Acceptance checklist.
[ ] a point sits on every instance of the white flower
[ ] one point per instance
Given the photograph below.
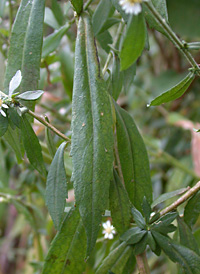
(109, 230)
(13, 85)
(131, 6)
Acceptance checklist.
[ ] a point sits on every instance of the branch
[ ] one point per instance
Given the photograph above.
(181, 200)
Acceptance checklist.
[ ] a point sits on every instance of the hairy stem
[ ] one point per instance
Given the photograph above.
(142, 263)
(181, 200)
(45, 123)
(173, 37)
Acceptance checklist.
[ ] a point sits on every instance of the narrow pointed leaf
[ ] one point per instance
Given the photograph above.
(133, 158)
(30, 95)
(140, 247)
(133, 235)
(15, 82)
(119, 205)
(3, 125)
(186, 237)
(92, 134)
(120, 264)
(138, 218)
(78, 5)
(67, 251)
(56, 189)
(186, 257)
(111, 259)
(32, 146)
(26, 40)
(133, 41)
(175, 92)
(118, 7)
(192, 210)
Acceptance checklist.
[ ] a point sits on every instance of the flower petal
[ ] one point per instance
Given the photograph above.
(4, 106)
(15, 82)
(110, 236)
(2, 113)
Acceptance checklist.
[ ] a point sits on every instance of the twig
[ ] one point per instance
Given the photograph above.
(174, 38)
(45, 123)
(181, 200)
(142, 263)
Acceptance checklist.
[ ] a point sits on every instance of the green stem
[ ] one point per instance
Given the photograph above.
(45, 123)
(170, 159)
(174, 38)
(118, 35)
(87, 4)
(181, 200)
(142, 263)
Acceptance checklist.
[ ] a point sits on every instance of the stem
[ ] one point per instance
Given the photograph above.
(170, 159)
(174, 38)
(119, 32)
(45, 123)
(142, 264)
(87, 4)
(181, 200)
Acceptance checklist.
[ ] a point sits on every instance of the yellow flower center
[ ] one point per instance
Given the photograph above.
(134, 1)
(108, 230)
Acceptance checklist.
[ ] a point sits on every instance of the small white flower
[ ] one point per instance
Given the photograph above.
(131, 6)
(109, 230)
(13, 85)
(15, 82)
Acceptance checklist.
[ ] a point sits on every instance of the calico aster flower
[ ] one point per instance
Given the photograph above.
(131, 6)
(109, 230)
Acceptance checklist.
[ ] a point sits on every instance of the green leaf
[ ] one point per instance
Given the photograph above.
(2, 7)
(192, 210)
(139, 219)
(120, 264)
(140, 247)
(175, 92)
(133, 158)
(187, 258)
(164, 197)
(117, 78)
(161, 7)
(146, 208)
(101, 14)
(133, 235)
(13, 138)
(186, 237)
(49, 140)
(119, 205)
(52, 41)
(105, 39)
(50, 19)
(118, 7)
(30, 95)
(163, 224)
(57, 11)
(151, 242)
(3, 125)
(78, 5)
(67, 251)
(133, 41)
(14, 116)
(111, 259)
(26, 41)
(92, 134)
(32, 146)
(56, 189)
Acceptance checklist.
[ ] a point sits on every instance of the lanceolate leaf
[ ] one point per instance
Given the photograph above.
(32, 146)
(186, 257)
(175, 92)
(186, 237)
(92, 134)
(192, 210)
(56, 189)
(31, 95)
(67, 252)
(26, 41)
(111, 259)
(3, 125)
(133, 41)
(133, 159)
(119, 205)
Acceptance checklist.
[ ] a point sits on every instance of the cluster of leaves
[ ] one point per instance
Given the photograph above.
(110, 165)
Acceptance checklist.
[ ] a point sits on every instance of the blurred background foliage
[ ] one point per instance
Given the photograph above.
(26, 229)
